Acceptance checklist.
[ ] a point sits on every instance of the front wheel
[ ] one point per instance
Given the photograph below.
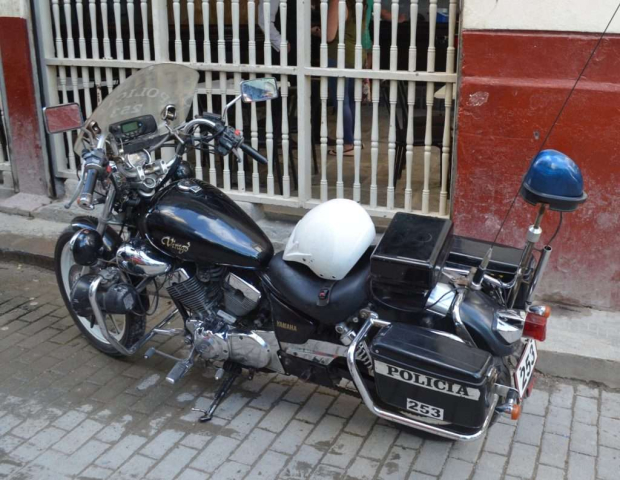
(126, 329)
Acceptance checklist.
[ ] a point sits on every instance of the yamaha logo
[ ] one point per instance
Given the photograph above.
(172, 244)
(286, 326)
(424, 381)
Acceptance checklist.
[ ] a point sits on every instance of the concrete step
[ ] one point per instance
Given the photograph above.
(28, 240)
(582, 343)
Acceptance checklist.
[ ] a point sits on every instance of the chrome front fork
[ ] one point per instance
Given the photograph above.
(107, 210)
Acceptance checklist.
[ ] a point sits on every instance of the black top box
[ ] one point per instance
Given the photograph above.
(411, 254)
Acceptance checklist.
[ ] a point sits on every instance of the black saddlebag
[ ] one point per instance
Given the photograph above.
(428, 374)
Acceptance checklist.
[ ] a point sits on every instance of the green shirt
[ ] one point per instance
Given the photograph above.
(349, 43)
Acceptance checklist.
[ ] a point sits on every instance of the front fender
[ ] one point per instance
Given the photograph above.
(111, 238)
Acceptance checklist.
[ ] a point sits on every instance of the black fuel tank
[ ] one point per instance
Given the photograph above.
(196, 222)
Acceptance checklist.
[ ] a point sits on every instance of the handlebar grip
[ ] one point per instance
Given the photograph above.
(86, 196)
(254, 154)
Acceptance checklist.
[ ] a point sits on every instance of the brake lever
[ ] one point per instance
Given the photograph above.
(236, 154)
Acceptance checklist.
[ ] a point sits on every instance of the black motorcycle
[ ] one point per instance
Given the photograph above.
(434, 331)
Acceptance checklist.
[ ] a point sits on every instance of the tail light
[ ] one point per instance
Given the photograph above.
(536, 323)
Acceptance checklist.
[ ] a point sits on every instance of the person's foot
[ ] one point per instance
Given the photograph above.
(347, 152)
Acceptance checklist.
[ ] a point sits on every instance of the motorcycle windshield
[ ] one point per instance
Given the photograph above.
(146, 92)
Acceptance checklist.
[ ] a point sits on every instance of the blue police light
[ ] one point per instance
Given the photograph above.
(553, 178)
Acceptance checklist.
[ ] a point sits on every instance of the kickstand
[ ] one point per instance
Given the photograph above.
(232, 371)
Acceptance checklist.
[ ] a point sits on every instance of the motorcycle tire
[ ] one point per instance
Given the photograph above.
(133, 325)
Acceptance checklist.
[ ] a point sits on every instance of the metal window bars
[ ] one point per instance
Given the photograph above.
(402, 137)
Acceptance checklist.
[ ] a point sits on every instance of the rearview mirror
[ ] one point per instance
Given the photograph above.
(62, 118)
(259, 90)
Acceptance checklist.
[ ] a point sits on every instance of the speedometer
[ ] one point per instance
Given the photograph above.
(130, 130)
(130, 127)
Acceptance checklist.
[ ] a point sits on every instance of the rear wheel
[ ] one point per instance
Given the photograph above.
(126, 329)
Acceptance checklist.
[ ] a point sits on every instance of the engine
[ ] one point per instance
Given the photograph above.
(213, 291)
(199, 291)
(215, 299)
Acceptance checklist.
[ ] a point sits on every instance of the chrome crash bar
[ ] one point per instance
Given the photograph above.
(157, 330)
(394, 417)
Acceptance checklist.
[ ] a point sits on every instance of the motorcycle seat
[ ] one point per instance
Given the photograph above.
(296, 285)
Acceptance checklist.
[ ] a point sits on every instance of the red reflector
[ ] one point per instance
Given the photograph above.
(535, 327)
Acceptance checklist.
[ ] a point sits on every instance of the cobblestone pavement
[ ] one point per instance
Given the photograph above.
(68, 411)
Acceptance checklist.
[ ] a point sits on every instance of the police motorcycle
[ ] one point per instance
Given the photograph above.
(434, 331)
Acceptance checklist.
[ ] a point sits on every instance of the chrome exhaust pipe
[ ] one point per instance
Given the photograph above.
(538, 274)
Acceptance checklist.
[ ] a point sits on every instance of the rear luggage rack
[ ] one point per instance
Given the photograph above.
(395, 417)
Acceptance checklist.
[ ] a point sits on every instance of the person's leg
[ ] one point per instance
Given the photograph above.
(348, 114)
(332, 90)
(331, 84)
(351, 84)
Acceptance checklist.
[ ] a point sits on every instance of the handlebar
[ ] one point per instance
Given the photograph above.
(86, 196)
(94, 164)
(253, 153)
(214, 123)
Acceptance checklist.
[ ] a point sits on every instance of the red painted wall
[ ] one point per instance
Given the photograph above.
(22, 109)
(513, 86)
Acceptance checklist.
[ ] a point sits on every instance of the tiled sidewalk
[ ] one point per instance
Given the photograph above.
(68, 411)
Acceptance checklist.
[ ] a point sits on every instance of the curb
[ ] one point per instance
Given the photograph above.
(578, 367)
(27, 258)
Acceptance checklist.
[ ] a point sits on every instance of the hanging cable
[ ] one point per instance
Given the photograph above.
(557, 230)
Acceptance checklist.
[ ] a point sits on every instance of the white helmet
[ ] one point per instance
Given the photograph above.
(331, 238)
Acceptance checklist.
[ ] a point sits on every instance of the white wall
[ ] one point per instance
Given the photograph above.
(549, 15)
(14, 8)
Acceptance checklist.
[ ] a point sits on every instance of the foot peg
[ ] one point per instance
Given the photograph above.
(178, 371)
(229, 374)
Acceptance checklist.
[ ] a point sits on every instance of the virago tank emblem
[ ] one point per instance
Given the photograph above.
(172, 244)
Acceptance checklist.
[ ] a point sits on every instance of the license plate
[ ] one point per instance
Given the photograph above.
(525, 368)
(424, 409)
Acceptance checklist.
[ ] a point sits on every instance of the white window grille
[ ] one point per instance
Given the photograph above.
(402, 134)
